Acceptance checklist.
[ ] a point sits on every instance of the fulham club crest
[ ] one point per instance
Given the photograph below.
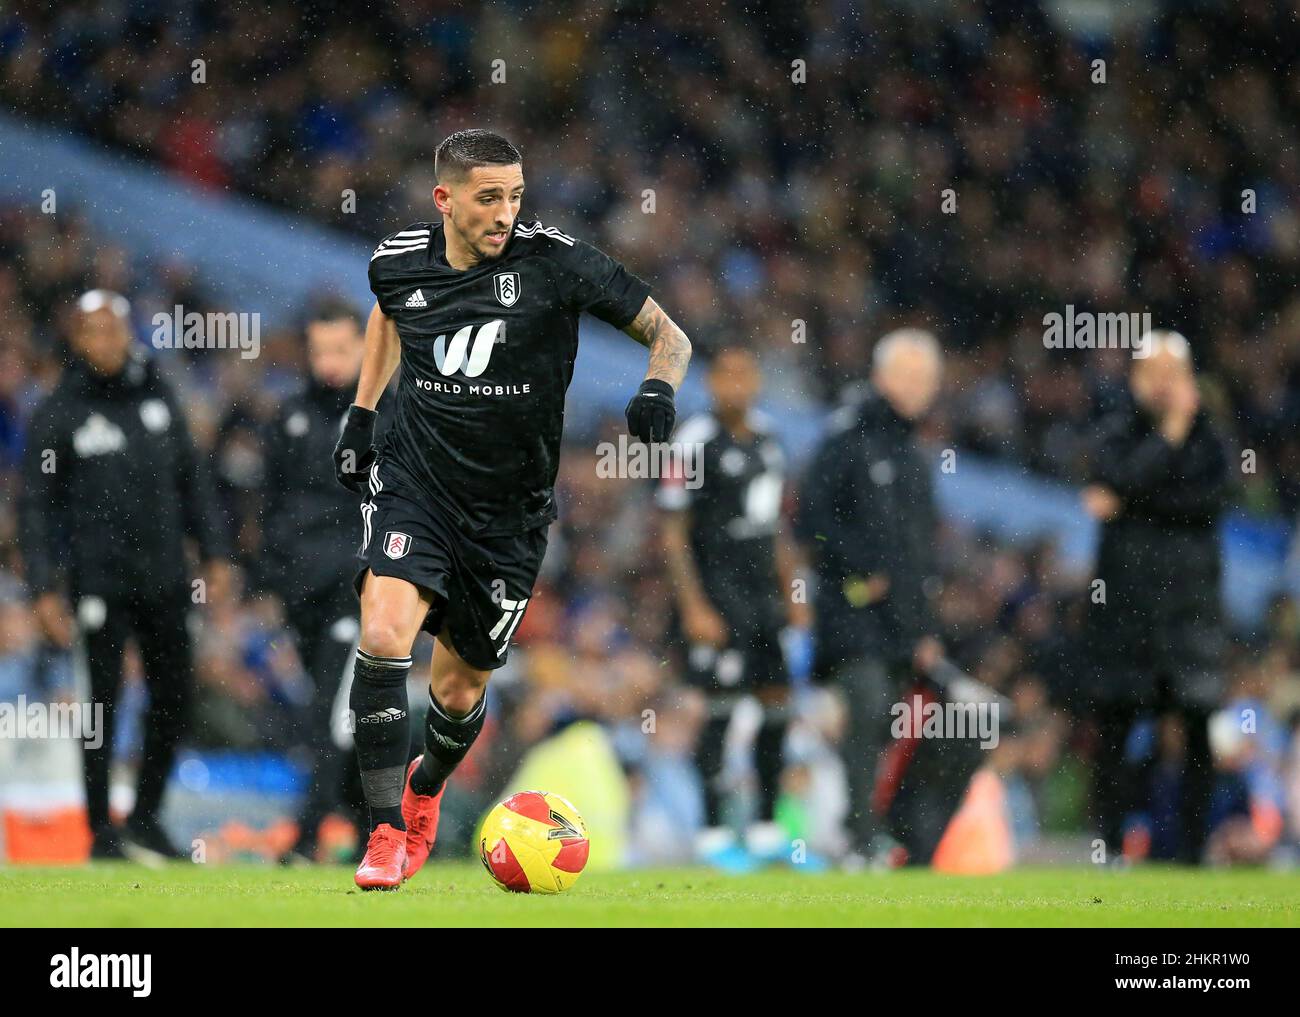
(507, 284)
(396, 544)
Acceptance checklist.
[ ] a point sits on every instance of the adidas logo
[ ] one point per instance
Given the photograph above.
(444, 741)
(416, 299)
(384, 716)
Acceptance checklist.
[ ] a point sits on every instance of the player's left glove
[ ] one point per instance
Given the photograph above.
(651, 413)
(355, 452)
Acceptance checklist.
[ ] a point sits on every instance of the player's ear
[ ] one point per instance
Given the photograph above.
(442, 199)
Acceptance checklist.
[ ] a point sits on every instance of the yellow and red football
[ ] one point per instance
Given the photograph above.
(534, 842)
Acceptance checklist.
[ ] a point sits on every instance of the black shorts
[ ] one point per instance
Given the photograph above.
(481, 585)
(751, 661)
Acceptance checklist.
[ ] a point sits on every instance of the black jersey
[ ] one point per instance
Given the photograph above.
(308, 530)
(733, 490)
(487, 355)
(128, 486)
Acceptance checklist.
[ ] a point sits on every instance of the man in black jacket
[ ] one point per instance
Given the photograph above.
(309, 527)
(868, 520)
(1160, 482)
(112, 487)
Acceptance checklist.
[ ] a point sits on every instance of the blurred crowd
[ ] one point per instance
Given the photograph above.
(1169, 185)
(1164, 180)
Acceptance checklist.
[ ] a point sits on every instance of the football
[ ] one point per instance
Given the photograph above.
(534, 842)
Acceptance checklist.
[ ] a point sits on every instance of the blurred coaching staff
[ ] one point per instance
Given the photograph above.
(1160, 482)
(112, 488)
(868, 521)
(308, 534)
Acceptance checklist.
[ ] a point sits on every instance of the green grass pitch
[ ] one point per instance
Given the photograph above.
(460, 894)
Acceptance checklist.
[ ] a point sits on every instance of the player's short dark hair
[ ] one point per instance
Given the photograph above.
(464, 150)
(712, 350)
(334, 309)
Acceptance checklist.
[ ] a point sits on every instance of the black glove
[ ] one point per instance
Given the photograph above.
(651, 414)
(355, 452)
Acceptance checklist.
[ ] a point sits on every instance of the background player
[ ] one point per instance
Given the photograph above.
(481, 311)
(309, 534)
(732, 575)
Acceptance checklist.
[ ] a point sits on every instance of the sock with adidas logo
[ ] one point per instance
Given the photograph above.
(446, 741)
(382, 732)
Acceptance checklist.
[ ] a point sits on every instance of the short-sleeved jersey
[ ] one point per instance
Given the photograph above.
(487, 356)
(734, 491)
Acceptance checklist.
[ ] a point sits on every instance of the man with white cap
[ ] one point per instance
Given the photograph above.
(112, 489)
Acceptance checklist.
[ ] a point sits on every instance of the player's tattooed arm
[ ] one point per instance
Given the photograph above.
(383, 352)
(670, 350)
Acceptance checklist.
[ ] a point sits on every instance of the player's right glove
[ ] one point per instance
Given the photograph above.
(651, 413)
(355, 452)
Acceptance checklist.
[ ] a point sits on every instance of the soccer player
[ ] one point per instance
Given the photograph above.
(733, 573)
(481, 310)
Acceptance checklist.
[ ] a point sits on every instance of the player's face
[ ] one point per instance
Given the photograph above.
(334, 352)
(482, 208)
(734, 381)
(102, 339)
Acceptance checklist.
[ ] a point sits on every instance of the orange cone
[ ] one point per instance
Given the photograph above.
(978, 839)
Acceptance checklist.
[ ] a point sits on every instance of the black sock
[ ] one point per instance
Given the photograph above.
(381, 730)
(446, 740)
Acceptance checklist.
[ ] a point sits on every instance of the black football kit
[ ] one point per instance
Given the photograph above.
(733, 490)
(735, 507)
(461, 492)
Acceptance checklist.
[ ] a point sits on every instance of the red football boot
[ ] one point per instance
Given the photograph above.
(420, 812)
(381, 868)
